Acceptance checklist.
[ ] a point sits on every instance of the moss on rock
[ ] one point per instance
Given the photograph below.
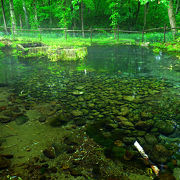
(73, 54)
(53, 53)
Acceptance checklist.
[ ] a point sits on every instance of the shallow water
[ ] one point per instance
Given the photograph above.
(132, 61)
(119, 94)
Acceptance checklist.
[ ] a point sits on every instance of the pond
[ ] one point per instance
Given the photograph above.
(81, 114)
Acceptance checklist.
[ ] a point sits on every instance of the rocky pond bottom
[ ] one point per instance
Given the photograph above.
(83, 126)
(80, 120)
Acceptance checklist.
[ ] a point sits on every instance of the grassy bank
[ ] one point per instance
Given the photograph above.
(172, 47)
(59, 39)
(73, 42)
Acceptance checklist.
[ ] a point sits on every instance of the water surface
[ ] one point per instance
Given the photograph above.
(119, 94)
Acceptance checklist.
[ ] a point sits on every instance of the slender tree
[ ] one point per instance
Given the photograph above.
(4, 17)
(50, 13)
(169, 4)
(25, 14)
(172, 18)
(137, 12)
(146, 6)
(35, 14)
(82, 18)
(20, 21)
(12, 14)
(177, 6)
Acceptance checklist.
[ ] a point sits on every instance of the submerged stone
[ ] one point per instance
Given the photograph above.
(129, 98)
(151, 139)
(146, 115)
(49, 152)
(121, 118)
(58, 119)
(118, 152)
(126, 123)
(91, 105)
(129, 140)
(5, 119)
(80, 87)
(160, 153)
(144, 125)
(21, 119)
(124, 111)
(4, 163)
(76, 92)
(42, 119)
(77, 113)
(165, 127)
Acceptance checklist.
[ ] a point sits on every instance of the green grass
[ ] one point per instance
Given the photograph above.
(57, 38)
(70, 41)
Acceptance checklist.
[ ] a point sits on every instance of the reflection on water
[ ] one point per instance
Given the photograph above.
(131, 61)
(118, 95)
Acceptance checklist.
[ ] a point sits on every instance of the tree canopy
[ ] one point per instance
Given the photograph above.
(73, 14)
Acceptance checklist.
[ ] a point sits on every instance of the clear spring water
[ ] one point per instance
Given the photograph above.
(128, 61)
(94, 84)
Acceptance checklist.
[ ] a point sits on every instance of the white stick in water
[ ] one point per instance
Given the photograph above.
(145, 156)
(140, 149)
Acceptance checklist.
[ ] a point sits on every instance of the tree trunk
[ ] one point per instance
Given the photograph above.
(50, 14)
(13, 21)
(35, 15)
(20, 21)
(25, 14)
(137, 13)
(146, 6)
(74, 27)
(172, 18)
(145, 18)
(4, 17)
(177, 6)
(82, 19)
(129, 19)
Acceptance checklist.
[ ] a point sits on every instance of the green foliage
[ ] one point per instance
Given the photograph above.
(171, 47)
(43, 13)
(115, 16)
(157, 15)
(102, 13)
(158, 37)
(156, 50)
(2, 45)
(89, 4)
(178, 19)
(165, 2)
(63, 13)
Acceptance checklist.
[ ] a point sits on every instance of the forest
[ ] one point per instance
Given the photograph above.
(86, 14)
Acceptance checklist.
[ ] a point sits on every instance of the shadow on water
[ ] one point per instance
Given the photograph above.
(74, 113)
